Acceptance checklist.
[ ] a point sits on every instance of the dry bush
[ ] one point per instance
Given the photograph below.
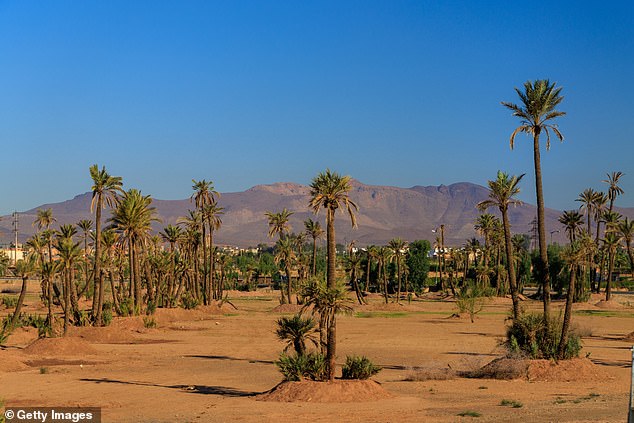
(422, 374)
(504, 368)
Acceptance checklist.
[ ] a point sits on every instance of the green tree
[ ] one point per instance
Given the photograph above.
(572, 221)
(330, 190)
(278, 222)
(315, 231)
(397, 245)
(417, 261)
(539, 107)
(501, 195)
(296, 331)
(105, 189)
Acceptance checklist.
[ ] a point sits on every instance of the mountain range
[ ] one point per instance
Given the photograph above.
(385, 212)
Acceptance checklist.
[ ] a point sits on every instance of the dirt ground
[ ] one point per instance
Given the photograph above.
(209, 365)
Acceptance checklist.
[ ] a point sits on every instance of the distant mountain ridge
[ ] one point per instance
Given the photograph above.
(385, 212)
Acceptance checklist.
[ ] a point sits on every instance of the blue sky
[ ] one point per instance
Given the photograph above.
(242, 93)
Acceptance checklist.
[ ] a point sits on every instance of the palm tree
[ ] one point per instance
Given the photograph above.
(539, 102)
(330, 191)
(611, 243)
(23, 269)
(296, 330)
(211, 214)
(104, 193)
(587, 199)
(315, 231)
(353, 262)
(614, 190)
(572, 256)
(44, 220)
(572, 221)
(86, 226)
(503, 191)
(397, 245)
(69, 253)
(278, 222)
(204, 195)
(383, 257)
(485, 224)
(626, 231)
(285, 257)
(371, 253)
(133, 218)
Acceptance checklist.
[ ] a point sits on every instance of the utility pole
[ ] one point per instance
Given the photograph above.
(16, 224)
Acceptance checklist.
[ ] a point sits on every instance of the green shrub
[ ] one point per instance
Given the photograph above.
(189, 302)
(151, 308)
(106, 314)
(304, 366)
(471, 299)
(126, 307)
(9, 301)
(529, 336)
(149, 322)
(359, 368)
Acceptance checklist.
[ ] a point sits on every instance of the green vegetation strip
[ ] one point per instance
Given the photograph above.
(604, 313)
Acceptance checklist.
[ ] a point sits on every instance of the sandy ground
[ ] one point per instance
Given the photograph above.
(209, 365)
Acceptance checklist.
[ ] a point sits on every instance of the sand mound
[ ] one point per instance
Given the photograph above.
(287, 308)
(55, 347)
(104, 335)
(337, 391)
(11, 361)
(629, 337)
(574, 370)
(609, 305)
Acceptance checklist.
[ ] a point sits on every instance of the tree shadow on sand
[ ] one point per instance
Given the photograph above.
(195, 389)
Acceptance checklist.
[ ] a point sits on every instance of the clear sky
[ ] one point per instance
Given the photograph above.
(248, 92)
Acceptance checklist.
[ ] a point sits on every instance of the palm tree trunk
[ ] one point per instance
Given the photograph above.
(561, 351)
(97, 266)
(66, 301)
(289, 284)
(398, 271)
(49, 300)
(367, 274)
(314, 271)
(18, 306)
(541, 227)
(608, 284)
(331, 249)
(510, 263)
(332, 346)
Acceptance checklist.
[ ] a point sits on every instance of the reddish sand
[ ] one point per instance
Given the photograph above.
(211, 365)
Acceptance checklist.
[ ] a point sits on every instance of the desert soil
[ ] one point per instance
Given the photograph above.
(212, 365)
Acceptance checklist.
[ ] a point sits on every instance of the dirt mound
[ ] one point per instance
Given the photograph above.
(337, 391)
(609, 305)
(502, 368)
(574, 370)
(287, 308)
(11, 361)
(104, 335)
(55, 347)
(629, 337)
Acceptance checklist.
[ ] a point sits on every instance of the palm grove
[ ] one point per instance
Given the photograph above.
(122, 267)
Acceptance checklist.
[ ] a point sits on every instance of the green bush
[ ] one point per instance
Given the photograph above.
(189, 302)
(126, 307)
(359, 368)
(149, 322)
(295, 368)
(106, 314)
(9, 302)
(471, 299)
(529, 336)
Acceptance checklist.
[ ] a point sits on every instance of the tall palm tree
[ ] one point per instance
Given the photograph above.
(69, 253)
(85, 225)
(133, 218)
(204, 195)
(397, 245)
(315, 231)
(383, 257)
(614, 189)
(296, 331)
(43, 221)
(331, 191)
(501, 194)
(23, 269)
(212, 214)
(572, 221)
(105, 189)
(539, 107)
